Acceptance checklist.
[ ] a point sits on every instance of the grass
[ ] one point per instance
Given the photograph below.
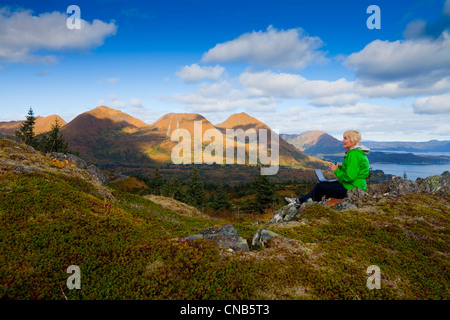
(53, 217)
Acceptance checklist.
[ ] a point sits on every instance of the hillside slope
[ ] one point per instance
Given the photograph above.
(54, 215)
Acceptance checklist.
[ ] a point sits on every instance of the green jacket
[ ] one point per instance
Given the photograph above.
(354, 169)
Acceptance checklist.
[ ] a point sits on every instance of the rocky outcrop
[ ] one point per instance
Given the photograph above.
(80, 163)
(356, 198)
(224, 236)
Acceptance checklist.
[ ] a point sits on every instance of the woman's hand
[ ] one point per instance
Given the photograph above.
(333, 166)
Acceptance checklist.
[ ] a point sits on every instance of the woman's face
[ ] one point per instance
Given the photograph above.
(348, 144)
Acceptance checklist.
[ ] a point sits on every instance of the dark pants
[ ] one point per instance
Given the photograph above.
(329, 189)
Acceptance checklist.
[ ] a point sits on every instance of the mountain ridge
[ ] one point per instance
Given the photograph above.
(108, 136)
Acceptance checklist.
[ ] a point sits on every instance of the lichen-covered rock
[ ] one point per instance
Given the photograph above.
(80, 163)
(224, 236)
(289, 212)
(439, 185)
(262, 235)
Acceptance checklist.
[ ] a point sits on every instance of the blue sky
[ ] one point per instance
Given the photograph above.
(295, 65)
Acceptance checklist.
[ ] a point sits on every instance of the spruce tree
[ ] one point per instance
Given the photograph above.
(221, 200)
(157, 182)
(54, 141)
(264, 190)
(26, 129)
(195, 189)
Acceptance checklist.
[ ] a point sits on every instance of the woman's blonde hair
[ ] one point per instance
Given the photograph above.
(353, 135)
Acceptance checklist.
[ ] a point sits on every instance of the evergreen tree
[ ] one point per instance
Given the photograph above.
(54, 141)
(195, 189)
(221, 199)
(157, 183)
(174, 189)
(26, 129)
(264, 190)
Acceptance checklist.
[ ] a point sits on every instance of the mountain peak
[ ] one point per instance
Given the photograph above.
(242, 120)
(116, 116)
(172, 121)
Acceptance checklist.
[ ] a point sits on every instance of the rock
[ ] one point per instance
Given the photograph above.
(262, 235)
(345, 204)
(289, 212)
(400, 186)
(439, 185)
(24, 169)
(351, 201)
(80, 163)
(354, 194)
(225, 236)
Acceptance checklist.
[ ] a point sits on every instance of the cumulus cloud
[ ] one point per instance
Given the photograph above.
(194, 73)
(28, 38)
(287, 85)
(221, 96)
(403, 88)
(291, 49)
(412, 61)
(432, 105)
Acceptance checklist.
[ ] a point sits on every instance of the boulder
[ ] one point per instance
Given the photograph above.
(287, 213)
(439, 185)
(262, 235)
(224, 236)
(352, 200)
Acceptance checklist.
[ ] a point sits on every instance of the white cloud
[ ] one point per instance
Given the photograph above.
(376, 122)
(116, 102)
(414, 62)
(286, 85)
(27, 38)
(221, 96)
(432, 105)
(396, 89)
(271, 48)
(194, 73)
(135, 103)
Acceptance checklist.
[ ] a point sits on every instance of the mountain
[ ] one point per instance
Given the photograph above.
(242, 121)
(112, 138)
(288, 154)
(315, 143)
(172, 121)
(42, 124)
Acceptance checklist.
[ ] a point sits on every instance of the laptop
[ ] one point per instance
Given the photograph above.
(322, 178)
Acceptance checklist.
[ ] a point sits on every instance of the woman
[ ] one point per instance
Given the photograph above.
(351, 174)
